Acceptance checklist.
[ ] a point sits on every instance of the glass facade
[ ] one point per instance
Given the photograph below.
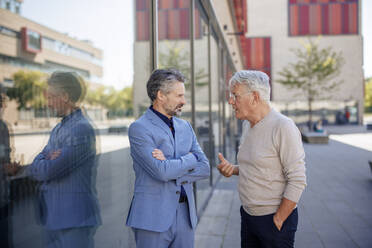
(166, 33)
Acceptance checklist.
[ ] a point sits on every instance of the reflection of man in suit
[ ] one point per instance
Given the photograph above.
(67, 169)
(167, 159)
(4, 182)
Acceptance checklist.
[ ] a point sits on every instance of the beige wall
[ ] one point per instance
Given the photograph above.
(141, 75)
(270, 19)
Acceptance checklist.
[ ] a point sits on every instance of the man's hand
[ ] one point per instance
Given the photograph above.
(12, 168)
(158, 154)
(226, 168)
(278, 223)
(53, 155)
(285, 209)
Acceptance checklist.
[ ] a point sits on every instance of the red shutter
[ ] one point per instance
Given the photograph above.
(314, 17)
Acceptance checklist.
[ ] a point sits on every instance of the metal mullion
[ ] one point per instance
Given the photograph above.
(210, 103)
(192, 76)
(153, 34)
(192, 59)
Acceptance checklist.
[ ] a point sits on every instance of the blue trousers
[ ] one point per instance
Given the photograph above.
(5, 227)
(71, 238)
(179, 235)
(261, 232)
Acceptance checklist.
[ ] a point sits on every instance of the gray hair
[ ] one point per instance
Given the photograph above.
(70, 83)
(163, 80)
(254, 81)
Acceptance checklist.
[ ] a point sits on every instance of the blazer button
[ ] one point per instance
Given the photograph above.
(177, 192)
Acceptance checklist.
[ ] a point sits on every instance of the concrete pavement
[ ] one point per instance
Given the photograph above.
(334, 211)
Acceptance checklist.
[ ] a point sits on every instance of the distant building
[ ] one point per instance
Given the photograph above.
(273, 28)
(12, 5)
(27, 45)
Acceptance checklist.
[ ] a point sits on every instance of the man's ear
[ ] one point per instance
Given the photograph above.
(160, 96)
(256, 96)
(65, 97)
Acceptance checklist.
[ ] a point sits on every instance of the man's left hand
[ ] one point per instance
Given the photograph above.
(278, 223)
(158, 154)
(54, 154)
(12, 168)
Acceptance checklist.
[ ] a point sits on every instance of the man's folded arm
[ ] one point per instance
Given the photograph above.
(202, 167)
(142, 145)
(76, 150)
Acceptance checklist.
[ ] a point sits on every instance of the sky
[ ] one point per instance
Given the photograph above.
(110, 26)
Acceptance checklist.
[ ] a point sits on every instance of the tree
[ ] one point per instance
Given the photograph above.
(313, 73)
(117, 102)
(176, 58)
(95, 97)
(28, 89)
(368, 95)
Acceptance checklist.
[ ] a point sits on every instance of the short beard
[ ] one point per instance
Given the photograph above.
(176, 112)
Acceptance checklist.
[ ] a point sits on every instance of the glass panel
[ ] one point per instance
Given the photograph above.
(215, 101)
(76, 172)
(141, 57)
(230, 122)
(201, 96)
(174, 42)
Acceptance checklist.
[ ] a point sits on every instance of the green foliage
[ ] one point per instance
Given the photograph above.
(179, 59)
(313, 72)
(28, 89)
(119, 103)
(368, 95)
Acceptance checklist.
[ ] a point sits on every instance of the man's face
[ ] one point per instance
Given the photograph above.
(174, 100)
(242, 101)
(57, 100)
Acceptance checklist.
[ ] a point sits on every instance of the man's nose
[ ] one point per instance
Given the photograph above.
(183, 101)
(231, 101)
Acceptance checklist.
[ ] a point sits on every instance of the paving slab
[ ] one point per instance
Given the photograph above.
(335, 210)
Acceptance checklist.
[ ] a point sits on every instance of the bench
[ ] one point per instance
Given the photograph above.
(118, 129)
(315, 138)
(369, 126)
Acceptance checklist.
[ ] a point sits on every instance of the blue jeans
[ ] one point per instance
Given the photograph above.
(261, 232)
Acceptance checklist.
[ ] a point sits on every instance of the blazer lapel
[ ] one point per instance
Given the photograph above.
(177, 132)
(160, 123)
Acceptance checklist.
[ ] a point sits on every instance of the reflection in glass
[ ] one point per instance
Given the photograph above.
(215, 79)
(202, 95)
(96, 48)
(174, 43)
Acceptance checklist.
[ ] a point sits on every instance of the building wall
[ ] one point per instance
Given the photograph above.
(14, 58)
(224, 17)
(270, 19)
(12, 46)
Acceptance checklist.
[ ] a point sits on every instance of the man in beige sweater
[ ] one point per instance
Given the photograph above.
(271, 166)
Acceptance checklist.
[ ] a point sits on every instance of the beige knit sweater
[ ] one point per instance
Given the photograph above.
(271, 162)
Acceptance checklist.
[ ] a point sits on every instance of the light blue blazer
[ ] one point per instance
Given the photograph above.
(158, 183)
(68, 197)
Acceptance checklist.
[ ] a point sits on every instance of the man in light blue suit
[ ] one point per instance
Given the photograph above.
(167, 159)
(66, 168)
